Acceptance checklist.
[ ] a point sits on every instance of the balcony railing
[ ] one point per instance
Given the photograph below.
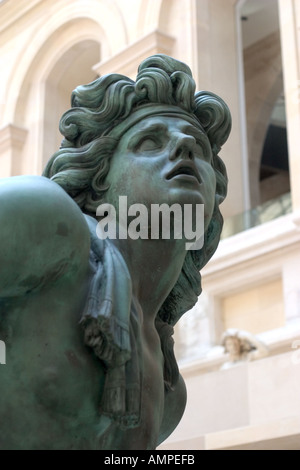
(268, 211)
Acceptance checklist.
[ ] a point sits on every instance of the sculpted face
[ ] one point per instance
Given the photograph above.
(163, 159)
(233, 347)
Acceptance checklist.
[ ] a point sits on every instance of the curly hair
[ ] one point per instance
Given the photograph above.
(89, 128)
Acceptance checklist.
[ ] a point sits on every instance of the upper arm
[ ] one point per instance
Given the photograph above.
(43, 235)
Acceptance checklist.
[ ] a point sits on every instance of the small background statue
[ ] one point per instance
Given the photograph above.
(241, 346)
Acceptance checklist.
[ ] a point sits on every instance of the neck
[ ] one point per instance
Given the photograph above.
(154, 266)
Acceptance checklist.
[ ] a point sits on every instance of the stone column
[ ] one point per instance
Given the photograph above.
(218, 70)
(289, 14)
(12, 139)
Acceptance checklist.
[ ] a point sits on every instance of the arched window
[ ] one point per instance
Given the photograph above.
(274, 165)
(263, 110)
(73, 68)
(265, 106)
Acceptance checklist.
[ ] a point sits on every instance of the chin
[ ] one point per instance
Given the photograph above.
(183, 196)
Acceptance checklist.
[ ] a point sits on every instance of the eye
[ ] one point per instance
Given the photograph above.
(147, 144)
(202, 146)
(203, 151)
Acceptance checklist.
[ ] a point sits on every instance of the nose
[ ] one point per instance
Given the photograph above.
(183, 147)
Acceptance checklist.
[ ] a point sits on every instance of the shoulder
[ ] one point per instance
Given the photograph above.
(43, 232)
(32, 194)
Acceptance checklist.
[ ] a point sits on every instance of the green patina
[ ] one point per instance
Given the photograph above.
(88, 323)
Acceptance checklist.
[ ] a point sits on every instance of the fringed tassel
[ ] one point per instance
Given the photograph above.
(111, 330)
(105, 339)
(171, 371)
(113, 401)
(120, 403)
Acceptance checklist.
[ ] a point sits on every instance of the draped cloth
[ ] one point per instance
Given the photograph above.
(112, 330)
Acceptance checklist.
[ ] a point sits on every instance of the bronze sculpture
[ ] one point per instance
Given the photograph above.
(88, 323)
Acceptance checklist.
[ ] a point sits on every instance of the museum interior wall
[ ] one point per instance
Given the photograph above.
(248, 52)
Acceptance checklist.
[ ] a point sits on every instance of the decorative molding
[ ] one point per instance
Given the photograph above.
(251, 256)
(128, 59)
(12, 136)
(12, 139)
(12, 11)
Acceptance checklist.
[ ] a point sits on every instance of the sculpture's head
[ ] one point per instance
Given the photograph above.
(236, 343)
(104, 111)
(232, 345)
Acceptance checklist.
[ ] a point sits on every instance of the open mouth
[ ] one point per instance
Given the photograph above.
(184, 169)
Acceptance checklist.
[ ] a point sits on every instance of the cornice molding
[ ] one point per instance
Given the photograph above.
(279, 234)
(12, 136)
(127, 60)
(11, 11)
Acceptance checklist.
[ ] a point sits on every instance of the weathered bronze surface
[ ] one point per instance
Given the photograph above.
(88, 322)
